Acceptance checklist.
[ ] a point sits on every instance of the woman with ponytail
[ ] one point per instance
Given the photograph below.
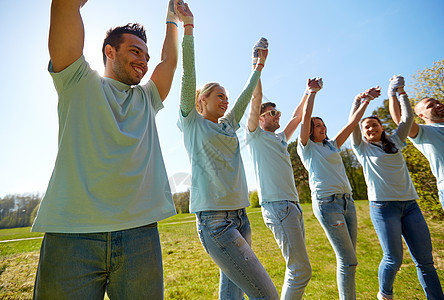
(393, 208)
(219, 193)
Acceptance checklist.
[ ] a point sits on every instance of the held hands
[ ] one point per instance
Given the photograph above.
(397, 84)
(185, 14)
(262, 44)
(314, 85)
(370, 94)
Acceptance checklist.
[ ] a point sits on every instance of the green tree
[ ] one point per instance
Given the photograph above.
(254, 199)
(428, 82)
(355, 174)
(182, 202)
(299, 173)
(16, 210)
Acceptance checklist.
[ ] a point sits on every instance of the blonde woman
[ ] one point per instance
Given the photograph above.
(219, 193)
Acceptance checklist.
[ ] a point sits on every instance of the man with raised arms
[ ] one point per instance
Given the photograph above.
(109, 187)
(428, 137)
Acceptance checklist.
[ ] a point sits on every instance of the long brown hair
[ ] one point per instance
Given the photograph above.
(324, 141)
(387, 145)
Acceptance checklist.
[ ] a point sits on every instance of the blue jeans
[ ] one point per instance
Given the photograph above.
(441, 197)
(127, 264)
(226, 236)
(337, 215)
(285, 220)
(392, 221)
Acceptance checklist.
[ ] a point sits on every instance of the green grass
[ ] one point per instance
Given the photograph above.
(18, 233)
(189, 272)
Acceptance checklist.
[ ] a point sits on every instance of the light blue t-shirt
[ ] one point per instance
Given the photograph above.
(272, 165)
(430, 141)
(326, 170)
(386, 174)
(109, 172)
(218, 179)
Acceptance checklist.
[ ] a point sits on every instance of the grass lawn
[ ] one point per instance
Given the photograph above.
(189, 272)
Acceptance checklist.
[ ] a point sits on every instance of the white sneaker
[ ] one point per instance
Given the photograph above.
(381, 297)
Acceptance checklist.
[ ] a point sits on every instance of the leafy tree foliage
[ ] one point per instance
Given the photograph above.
(254, 199)
(18, 210)
(429, 82)
(355, 174)
(182, 202)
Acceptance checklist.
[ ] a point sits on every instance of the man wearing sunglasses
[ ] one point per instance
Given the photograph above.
(276, 188)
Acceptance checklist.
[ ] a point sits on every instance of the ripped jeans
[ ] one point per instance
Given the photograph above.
(337, 215)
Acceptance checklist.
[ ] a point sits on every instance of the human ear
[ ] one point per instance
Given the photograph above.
(110, 52)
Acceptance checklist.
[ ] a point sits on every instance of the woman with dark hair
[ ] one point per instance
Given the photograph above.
(393, 208)
(219, 193)
(331, 192)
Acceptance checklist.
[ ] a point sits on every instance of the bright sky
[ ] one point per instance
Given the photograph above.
(352, 45)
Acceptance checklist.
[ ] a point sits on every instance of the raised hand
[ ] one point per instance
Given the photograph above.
(370, 94)
(396, 82)
(314, 84)
(184, 13)
(172, 16)
(262, 44)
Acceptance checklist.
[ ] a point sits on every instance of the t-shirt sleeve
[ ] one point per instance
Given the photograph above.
(419, 136)
(153, 95)
(70, 76)
(250, 135)
(282, 136)
(185, 121)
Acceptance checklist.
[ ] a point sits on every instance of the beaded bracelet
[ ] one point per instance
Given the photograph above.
(185, 25)
(260, 64)
(402, 93)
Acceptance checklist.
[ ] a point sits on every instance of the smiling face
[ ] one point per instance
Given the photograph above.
(269, 122)
(430, 110)
(214, 104)
(128, 63)
(372, 130)
(318, 130)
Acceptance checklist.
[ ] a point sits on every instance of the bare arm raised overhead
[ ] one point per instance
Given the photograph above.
(296, 118)
(255, 106)
(164, 72)
(66, 33)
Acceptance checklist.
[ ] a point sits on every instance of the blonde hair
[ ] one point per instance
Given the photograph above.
(204, 90)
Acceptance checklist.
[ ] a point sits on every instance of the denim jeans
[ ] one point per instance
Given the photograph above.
(127, 264)
(285, 220)
(337, 215)
(441, 197)
(226, 237)
(392, 221)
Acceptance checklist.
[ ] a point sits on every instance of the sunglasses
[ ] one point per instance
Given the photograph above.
(272, 113)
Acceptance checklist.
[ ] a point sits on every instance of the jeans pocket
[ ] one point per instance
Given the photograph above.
(276, 211)
(326, 200)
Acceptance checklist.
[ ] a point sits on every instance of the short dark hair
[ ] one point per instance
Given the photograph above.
(114, 36)
(265, 105)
